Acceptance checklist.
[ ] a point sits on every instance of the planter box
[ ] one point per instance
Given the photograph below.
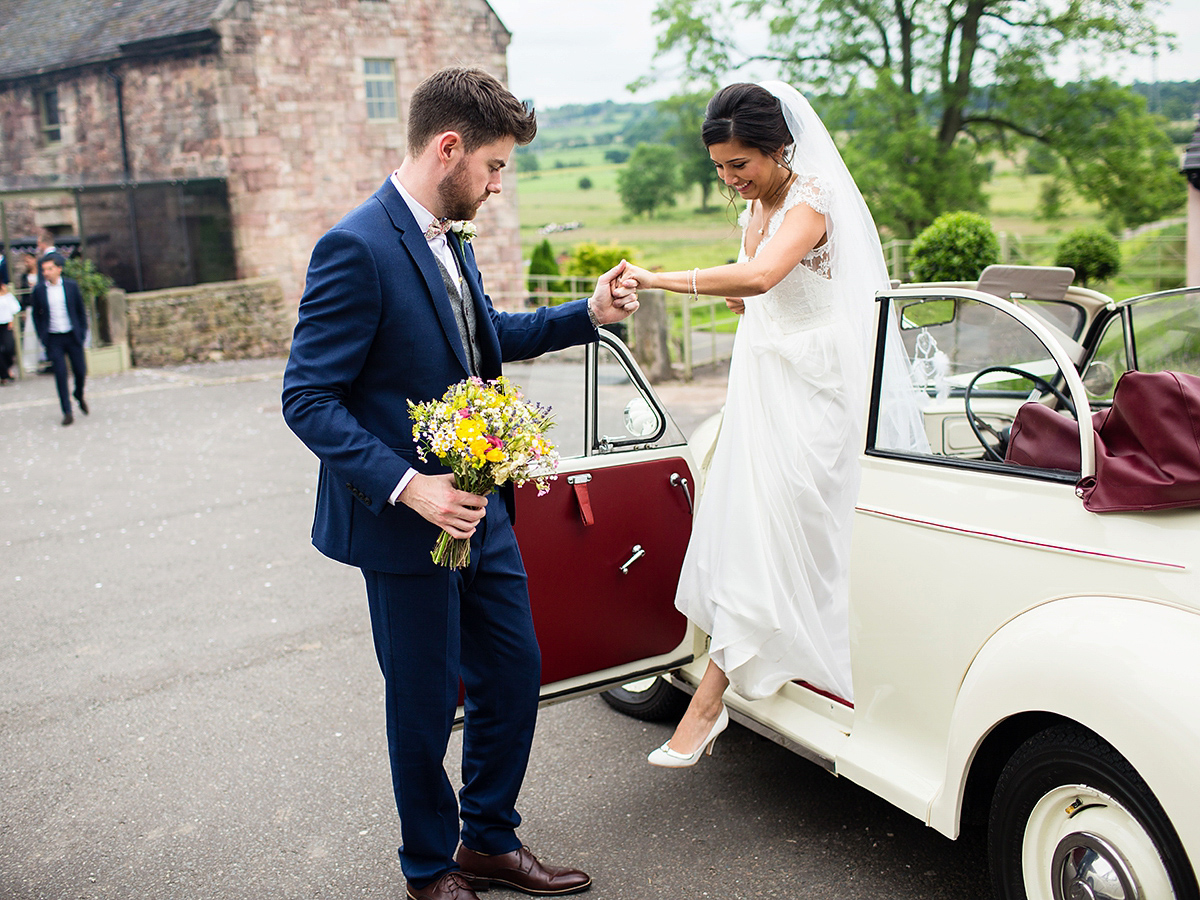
(110, 360)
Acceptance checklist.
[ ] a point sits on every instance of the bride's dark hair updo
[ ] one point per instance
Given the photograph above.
(747, 113)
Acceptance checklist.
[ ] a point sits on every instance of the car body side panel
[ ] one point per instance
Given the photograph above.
(1128, 669)
(943, 558)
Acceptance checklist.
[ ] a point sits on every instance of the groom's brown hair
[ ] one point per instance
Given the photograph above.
(471, 102)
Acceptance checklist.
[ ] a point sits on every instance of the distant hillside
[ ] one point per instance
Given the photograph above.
(588, 124)
(1176, 101)
(601, 124)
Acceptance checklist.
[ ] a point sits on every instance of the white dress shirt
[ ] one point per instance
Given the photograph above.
(56, 298)
(441, 248)
(9, 307)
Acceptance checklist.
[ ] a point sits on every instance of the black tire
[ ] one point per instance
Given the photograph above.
(651, 700)
(1028, 800)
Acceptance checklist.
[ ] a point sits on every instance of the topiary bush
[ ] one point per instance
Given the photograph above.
(956, 247)
(1092, 252)
(542, 262)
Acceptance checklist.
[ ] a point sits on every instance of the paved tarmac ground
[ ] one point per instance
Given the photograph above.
(190, 705)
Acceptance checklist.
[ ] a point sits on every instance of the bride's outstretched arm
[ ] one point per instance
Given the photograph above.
(802, 229)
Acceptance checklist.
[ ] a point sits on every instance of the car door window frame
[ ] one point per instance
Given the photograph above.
(1067, 371)
(594, 443)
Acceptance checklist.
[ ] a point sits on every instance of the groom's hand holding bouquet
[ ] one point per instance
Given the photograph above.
(488, 435)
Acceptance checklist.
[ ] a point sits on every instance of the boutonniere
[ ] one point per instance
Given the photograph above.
(465, 230)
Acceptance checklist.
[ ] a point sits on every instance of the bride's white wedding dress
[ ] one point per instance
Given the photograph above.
(766, 571)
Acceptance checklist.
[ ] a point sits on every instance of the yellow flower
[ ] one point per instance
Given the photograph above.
(468, 429)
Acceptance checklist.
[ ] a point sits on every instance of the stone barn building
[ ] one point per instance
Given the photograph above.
(191, 141)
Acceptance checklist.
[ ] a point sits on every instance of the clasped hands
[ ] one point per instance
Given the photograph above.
(615, 297)
(644, 278)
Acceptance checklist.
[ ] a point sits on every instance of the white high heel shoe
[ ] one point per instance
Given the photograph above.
(672, 759)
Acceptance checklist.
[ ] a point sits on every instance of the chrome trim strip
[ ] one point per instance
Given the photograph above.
(1011, 539)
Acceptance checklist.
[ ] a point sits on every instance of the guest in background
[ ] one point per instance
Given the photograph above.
(9, 307)
(61, 325)
(32, 354)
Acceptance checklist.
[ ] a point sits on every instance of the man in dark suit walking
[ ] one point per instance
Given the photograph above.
(61, 325)
(394, 310)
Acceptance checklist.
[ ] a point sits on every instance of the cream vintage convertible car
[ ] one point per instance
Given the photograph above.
(1013, 651)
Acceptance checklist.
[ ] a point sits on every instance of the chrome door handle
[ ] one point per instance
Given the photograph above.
(638, 553)
(679, 481)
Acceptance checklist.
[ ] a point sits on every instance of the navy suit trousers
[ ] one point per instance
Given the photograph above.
(59, 348)
(430, 631)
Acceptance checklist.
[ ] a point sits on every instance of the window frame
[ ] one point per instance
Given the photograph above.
(377, 79)
(50, 131)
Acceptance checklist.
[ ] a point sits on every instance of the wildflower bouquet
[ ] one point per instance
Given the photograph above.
(488, 434)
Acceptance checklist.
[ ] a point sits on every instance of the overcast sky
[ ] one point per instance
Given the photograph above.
(582, 51)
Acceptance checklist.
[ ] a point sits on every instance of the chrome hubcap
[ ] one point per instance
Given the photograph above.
(1081, 843)
(1087, 867)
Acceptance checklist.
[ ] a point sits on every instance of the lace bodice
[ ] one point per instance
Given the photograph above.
(805, 297)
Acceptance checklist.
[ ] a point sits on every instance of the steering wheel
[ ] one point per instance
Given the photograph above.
(979, 426)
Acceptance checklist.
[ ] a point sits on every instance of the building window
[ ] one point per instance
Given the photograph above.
(51, 122)
(380, 78)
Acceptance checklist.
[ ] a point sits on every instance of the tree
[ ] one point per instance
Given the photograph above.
(585, 183)
(695, 165)
(1092, 252)
(905, 175)
(973, 72)
(958, 246)
(542, 262)
(527, 159)
(649, 180)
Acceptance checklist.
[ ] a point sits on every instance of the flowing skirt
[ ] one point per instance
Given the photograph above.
(766, 571)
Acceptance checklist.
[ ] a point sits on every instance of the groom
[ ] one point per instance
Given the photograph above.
(394, 310)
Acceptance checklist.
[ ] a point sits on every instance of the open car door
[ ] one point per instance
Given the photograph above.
(603, 548)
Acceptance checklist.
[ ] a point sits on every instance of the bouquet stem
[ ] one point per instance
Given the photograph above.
(452, 552)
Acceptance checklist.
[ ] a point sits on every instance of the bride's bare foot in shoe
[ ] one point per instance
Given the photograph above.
(702, 713)
(694, 727)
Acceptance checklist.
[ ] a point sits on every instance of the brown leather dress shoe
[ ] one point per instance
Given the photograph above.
(451, 886)
(520, 870)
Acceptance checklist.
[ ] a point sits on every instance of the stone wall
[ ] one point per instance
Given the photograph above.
(227, 320)
(301, 150)
(170, 122)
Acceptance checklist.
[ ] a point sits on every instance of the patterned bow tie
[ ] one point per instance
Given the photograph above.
(437, 229)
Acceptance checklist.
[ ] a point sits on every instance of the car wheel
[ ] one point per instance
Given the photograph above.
(1072, 819)
(651, 699)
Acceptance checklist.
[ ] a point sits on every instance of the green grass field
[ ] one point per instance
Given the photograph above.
(681, 237)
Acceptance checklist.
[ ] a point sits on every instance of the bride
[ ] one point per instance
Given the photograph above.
(766, 571)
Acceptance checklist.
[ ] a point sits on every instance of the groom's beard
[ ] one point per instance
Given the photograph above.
(455, 193)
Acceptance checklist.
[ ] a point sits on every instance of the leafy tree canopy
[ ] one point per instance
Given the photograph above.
(649, 180)
(686, 112)
(965, 72)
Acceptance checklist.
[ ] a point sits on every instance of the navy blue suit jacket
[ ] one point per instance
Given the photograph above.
(75, 311)
(375, 330)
